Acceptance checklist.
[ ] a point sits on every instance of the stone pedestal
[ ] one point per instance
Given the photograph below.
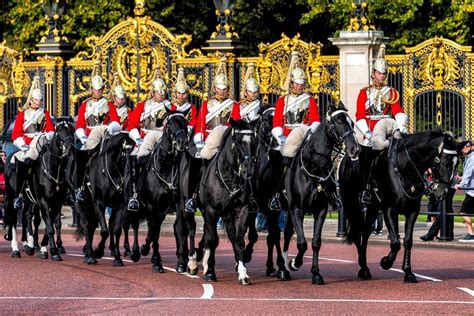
(357, 51)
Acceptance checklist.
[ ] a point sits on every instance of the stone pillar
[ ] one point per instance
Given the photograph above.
(357, 52)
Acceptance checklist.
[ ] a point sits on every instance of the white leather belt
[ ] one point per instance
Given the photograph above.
(378, 117)
(292, 126)
(32, 135)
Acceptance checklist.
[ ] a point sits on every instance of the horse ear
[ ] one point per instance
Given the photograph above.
(232, 122)
(168, 110)
(341, 106)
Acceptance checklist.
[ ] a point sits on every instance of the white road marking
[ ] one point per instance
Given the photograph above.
(328, 259)
(238, 299)
(208, 291)
(467, 290)
(421, 276)
(126, 260)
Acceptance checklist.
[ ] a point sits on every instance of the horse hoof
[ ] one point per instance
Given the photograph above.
(61, 250)
(410, 278)
(271, 272)
(118, 263)
(180, 268)
(43, 255)
(385, 263)
(135, 256)
(283, 275)
(29, 251)
(98, 253)
(158, 268)
(56, 258)
(293, 266)
(192, 271)
(317, 279)
(210, 277)
(91, 260)
(145, 250)
(15, 254)
(127, 254)
(364, 274)
(245, 281)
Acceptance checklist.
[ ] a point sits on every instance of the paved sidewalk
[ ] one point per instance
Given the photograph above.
(329, 231)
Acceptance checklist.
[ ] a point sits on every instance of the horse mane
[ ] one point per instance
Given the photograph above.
(113, 141)
(237, 125)
(419, 138)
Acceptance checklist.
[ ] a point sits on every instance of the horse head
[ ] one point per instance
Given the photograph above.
(63, 138)
(341, 129)
(242, 148)
(265, 123)
(444, 165)
(176, 130)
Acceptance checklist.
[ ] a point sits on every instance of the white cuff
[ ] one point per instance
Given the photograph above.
(114, 128)
(314, 126)
(20, 141)
(277, 132)
(134, 135)
(362, 126)
(80, 133)
(199, 137)
(401, 119)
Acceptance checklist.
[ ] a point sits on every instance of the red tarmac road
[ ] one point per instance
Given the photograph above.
(31, 285)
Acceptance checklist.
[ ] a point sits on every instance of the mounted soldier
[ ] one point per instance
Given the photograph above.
(378, 101)
(117, 99)
(95, 117)
(33, 129)
(181, 103)
(213, 119)
(250, 104)
(146, 128)
(295, 113)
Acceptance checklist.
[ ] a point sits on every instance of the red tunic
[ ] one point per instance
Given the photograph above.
(364, 110)
(125, 120)
(192, 115)
(279, 119)
(203, 127)
(81, 122)
(18, 130)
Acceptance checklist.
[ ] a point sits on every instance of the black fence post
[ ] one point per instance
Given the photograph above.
(341, 223)
(443, 218)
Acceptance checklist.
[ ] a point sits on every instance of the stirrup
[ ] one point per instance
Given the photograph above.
(190, 206)
(18, 203)
(133, 204)
(80, 196)
(275, 204)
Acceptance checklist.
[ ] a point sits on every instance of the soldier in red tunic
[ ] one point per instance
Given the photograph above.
(213, 119)
(295, 113)
(95, 117)
(181, 103)
(33, 128)
(119, 101)
(146, 128)
(378, 101)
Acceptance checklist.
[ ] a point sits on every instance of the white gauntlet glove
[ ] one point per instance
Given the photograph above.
(113, 128)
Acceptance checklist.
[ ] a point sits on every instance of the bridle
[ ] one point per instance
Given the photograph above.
(239, 162)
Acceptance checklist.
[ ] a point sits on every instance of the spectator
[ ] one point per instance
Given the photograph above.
(377, 226)
(467, 181)
(2, 182)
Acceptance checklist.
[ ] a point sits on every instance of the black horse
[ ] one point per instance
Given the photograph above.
(158, 186)
(393, 181)
(46, 190)
(224, 192)
(309, 184)
(106, 186)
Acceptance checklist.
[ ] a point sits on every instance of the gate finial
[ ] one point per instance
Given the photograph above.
(139, 8)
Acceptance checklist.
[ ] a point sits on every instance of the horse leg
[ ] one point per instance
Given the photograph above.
(364, 271)
(391, 221)
(180, 233)
(14, 242)
(36, 223)
(210, 244)
(49, 213)
(28, 233)
(301, 243)
(135, 254)
(316, 245)
(104, 231)
(192, 255)
(126, 243)
(239, 243)
(252, 236)
(59, 242)
(156, 258)
(112, 242)
(145, 248)
(287, 235)
(117, 232)
(408, 244)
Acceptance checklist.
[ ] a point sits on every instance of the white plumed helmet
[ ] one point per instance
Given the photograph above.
(181, 85)
(159, 85)
(252, 85)
(37, 94)
(380, 64)
(298, 76)
(119, 92)
(97, 82)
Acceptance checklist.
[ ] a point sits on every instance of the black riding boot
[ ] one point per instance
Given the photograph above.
(82, 169)
(195, 172)
(275, 204)
(137, 166)
(22, 172)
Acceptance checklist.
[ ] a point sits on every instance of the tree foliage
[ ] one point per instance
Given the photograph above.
(406, 23)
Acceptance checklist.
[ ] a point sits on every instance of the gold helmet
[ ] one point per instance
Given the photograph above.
(251, 84)
(159, 85)
(97, 82)
(220, 80)
(380, 64)
(181, 85)
(116, 89)
(119, 92)
(34, 93)
(37, 94)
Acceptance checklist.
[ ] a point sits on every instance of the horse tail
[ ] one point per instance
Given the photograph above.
(79, 234)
